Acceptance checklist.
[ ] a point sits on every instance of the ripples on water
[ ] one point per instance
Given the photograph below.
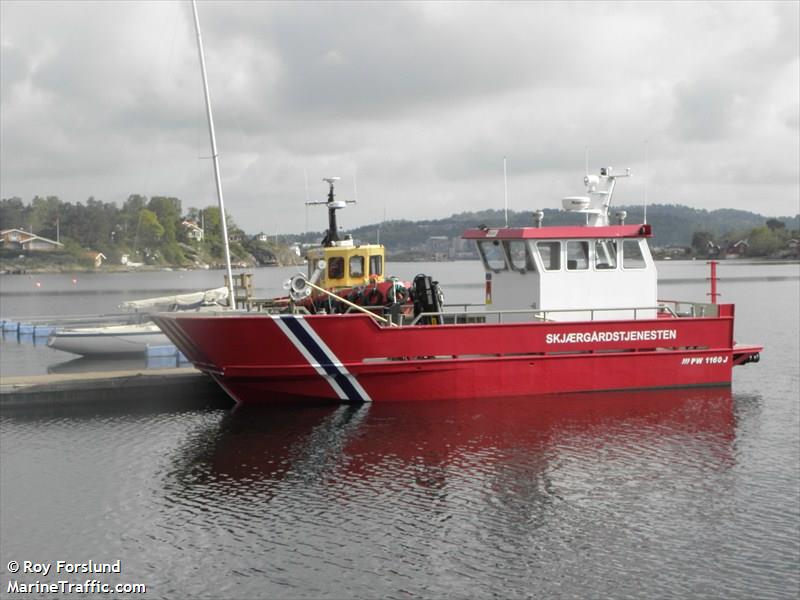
(689, 493)
(623, 495)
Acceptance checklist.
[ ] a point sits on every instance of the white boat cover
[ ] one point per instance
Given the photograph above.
(108, 340)
(189, 301)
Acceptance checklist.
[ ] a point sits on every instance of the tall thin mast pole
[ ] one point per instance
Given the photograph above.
(586, 160)
(215, 157)
(305, 175)
(646, 177)
(505, 188)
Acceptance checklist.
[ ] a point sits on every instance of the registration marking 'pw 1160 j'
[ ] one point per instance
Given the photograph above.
(704, 360)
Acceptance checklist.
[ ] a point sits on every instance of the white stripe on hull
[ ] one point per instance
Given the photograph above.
(343, 383)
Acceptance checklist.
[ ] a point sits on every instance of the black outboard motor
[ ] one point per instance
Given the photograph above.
(427, 298)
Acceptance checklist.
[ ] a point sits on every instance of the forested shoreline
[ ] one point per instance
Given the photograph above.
(159, 232)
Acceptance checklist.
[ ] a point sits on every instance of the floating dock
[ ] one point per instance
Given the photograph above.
(140, 388)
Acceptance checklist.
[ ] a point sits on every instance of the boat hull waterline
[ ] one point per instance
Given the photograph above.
(267, 358)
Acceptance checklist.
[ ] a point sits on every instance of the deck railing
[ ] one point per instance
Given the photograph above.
(471, 313)
(692, 309)
(452, 317)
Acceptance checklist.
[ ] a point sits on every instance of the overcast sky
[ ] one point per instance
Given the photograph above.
(416, 102)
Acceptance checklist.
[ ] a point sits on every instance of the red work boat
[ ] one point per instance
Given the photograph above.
(568, 309)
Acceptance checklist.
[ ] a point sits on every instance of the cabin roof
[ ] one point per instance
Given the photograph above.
(29, 236)
(559, 232)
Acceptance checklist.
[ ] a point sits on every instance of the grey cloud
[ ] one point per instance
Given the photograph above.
(422, 99)
(14, 69)
(718, 102)
(791, 117)
(371, 59)
(704, 110)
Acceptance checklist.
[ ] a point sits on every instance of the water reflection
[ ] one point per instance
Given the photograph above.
(449, 487)
(27, 338)
(87, 364)
(93, 364)
(582, 495)
(433, 441)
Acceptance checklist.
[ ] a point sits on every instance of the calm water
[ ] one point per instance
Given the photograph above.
(691, 493)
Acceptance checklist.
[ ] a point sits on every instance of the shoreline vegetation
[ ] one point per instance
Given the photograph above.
(47, 235)
(79, 269)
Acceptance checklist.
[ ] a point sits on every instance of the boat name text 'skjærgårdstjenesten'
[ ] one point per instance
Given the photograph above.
(650, 335)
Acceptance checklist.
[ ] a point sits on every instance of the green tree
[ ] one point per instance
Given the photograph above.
(701, 241)
(168, 211)
(764, 241)
(775, 224)
(43, 216)
(193, 214)
(212, 223)
(12, 213)
(213, 239)
(129, 217)
(150, 229)
(101, 219)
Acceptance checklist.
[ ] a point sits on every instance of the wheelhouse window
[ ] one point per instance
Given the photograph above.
(376, 265)
(519, 255)
(336, 267)
(550, 253)
(356, 266)
(632, 257)
(492, 255)
(605, 255)
(577, 256)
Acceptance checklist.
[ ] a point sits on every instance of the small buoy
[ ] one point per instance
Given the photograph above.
(74, 281)
(38, 284)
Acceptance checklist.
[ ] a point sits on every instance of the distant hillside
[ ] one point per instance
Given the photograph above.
(673, 225)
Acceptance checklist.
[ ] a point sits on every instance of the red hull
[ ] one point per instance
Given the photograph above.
(265, 358)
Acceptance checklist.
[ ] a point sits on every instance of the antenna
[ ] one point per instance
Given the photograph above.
(305, 176)
(646, 177)
(383, 222)
(586, 160)
(505, 186)
(355, 188)
(332, 236)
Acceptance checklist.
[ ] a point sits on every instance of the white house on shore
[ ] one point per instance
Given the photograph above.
(19, 239)
(193, 231)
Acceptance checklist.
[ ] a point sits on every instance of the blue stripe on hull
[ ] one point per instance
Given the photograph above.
(331, 367)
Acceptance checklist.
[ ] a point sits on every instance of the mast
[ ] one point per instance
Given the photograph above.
(215, 157)
(505, 188)
(600, 189)
(333, 229)
(332, 235)
(646, 177)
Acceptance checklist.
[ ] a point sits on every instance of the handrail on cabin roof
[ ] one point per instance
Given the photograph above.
(559, 232)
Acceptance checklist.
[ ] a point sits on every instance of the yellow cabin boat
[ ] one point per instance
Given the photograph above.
(346, 265)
